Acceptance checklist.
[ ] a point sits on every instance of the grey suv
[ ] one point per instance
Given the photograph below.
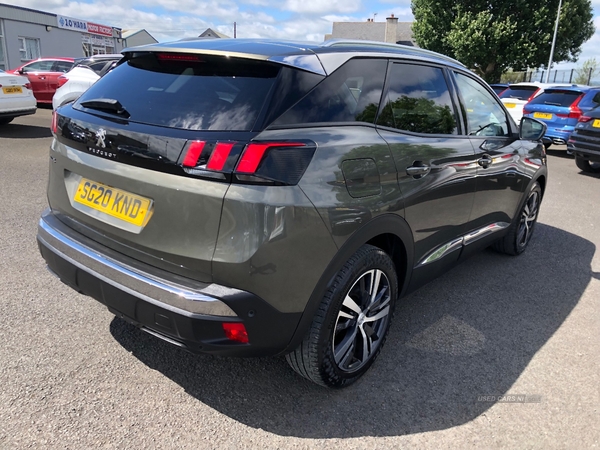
(251, 197)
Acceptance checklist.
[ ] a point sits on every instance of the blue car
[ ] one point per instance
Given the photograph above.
(560, 108)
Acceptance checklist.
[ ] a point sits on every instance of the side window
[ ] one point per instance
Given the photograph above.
(62, 66)
(38, 66)
(418, 100)
(485, 116)
(351, 94)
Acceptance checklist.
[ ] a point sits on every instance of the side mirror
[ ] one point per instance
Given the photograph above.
(531, 129)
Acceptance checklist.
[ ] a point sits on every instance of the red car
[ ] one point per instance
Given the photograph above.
(43, 75)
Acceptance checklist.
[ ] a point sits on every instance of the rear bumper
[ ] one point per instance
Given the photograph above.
(183, 312)
(18, 112)
(585, 147)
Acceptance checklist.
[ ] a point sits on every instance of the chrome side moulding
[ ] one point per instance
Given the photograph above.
(485, 231)
(162, 293)
(460, 242)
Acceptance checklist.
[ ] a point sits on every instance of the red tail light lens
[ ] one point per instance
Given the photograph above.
(575, 112)
(27, 86)
(54, 124)
(62, 80)
(218, 157)
(192, 155)
(533, 95)
(236, 331)
(254, 153)
(526, 111)
(585, 119)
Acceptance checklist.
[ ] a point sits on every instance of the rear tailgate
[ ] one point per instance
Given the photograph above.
(135, 179)
(557, 107)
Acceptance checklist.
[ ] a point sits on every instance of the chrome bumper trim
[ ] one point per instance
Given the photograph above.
(159, 292)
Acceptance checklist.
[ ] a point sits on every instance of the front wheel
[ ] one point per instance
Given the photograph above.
(521, 230)
(351, 325)
(585, 166)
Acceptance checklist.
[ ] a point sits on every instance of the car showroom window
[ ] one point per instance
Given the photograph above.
(418, 100)
(351, 94)
(485, 116)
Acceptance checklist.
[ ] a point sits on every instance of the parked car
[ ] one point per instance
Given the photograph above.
(256, 197)
(517, 95)
(584, 142)
(16, 97)
(43, 75)
(499, 87)
(559, 109)
(84, 73)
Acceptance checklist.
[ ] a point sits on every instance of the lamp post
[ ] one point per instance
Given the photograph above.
(553, 41)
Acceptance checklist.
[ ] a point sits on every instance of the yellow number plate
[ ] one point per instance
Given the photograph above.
(596, 123)
(510, 105)
(539, 115)
(12, 90)
(123, 205)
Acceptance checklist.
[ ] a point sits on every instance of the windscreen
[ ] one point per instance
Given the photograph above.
(556, 98)
(194, 92)
(519, 92)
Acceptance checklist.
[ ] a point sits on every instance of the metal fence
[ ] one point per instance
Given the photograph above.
(575, 76)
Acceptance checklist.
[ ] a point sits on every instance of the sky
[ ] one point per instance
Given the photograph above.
(169, 20)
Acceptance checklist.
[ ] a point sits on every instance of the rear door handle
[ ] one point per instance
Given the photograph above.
(418, 171)
(485, 161)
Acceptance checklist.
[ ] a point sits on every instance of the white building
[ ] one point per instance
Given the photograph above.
(390, 31)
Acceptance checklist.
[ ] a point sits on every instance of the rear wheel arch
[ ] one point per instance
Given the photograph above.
(388, 232)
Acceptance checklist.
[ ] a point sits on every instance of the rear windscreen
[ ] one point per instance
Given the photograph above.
(519, 92)
(194, 92)
(556, 98)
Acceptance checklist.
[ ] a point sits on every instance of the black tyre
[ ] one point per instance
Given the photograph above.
(519, 234)
(352, 322)
(5, 120)
(585, 165)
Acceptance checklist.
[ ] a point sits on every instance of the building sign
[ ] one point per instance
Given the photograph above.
(97, 40)
(84, 26)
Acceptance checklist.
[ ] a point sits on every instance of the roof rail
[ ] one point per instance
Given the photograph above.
(387, 45)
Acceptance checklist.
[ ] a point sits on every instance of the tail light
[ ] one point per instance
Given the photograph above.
(62, 80)
(259, 162)
(533, 95)
(27, 86)
(585, 119)
(526, 111)
(574, 111)
(54, 124)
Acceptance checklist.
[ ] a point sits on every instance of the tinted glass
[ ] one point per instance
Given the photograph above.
(519, 92)
(62, 66)
(589, 100)
(556, 97)
(202, 93)
(352, 93)
(485, 115)
(418, 100)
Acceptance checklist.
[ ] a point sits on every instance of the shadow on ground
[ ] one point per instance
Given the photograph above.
(18, 131)
(470, 333)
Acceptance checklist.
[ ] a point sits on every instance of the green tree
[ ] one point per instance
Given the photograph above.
(587, 71)
(489, 36)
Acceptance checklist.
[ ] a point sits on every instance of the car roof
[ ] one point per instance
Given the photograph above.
(99, 57)
(322, 58)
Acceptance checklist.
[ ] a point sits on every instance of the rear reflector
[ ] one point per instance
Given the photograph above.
(193, 153)
(254, 153)
(236, 331)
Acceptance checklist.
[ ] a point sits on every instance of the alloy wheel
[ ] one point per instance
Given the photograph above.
(528, 218)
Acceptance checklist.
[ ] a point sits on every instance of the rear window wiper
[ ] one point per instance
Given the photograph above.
(106, 104)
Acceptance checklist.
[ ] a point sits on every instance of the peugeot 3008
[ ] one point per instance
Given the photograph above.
(255, 197)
